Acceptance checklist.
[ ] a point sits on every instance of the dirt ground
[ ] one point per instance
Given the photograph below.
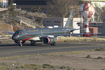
(76, 61)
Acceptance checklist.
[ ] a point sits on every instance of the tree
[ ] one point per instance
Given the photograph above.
(12, 11)
(98, 14)
(61, 8)
(35, 9)
(1, 5)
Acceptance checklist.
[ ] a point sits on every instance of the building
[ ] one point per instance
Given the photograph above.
(28, 4)
(61, 23)
(53, 21)
(100, 25)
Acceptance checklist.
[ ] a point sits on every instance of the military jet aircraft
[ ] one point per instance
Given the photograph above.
(45, 35)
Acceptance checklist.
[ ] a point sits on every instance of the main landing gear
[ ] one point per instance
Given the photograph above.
(53, 44)
(33, 43)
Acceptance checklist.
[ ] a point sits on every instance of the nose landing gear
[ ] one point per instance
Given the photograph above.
(21, 43)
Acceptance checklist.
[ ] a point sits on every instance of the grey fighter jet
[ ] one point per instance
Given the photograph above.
(45, 35)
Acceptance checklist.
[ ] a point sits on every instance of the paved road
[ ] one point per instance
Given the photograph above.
(7, 50)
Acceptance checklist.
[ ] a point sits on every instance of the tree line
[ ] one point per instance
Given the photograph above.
(62, 8)
(59, 8)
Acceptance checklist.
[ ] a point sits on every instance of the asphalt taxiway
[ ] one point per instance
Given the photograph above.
(7, 50)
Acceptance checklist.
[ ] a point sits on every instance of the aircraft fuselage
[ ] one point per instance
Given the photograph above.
(28, 34)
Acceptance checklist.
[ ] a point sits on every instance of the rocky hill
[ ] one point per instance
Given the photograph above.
(23, 20)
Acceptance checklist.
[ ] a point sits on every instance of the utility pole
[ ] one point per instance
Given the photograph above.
(81, 24)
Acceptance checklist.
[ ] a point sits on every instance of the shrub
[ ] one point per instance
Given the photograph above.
(99, 57)
(30, 66)
(47, 66)
(102, 69)
(63, 67)
(100, 49)
(35, 9)
(88, 56)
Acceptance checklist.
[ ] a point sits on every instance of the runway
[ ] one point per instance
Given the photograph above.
(7, 50)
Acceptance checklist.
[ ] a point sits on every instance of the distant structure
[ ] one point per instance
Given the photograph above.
(28, 4)
(4, 3)
(99, 3)
(96, 3)
(86, 11)
(60, 22)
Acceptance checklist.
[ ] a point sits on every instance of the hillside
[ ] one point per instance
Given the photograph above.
(28, 19)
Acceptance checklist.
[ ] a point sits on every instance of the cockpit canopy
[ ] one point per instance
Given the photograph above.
(19, 32)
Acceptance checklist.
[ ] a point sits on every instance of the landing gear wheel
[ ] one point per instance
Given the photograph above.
(23, 42)
(33, 43)
(54, 44)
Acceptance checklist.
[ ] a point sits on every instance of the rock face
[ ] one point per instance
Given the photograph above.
(6, 27)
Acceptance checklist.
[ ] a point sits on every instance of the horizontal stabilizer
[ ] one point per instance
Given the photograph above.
(8, 32)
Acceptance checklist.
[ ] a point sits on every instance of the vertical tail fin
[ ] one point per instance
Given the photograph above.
(69, 22)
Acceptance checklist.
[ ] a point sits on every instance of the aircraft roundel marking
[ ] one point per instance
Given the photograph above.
(28, 35)
(71, 17)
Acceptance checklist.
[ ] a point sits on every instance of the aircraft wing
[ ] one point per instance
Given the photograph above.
(8, 32)
(55, 35)
(74, 34)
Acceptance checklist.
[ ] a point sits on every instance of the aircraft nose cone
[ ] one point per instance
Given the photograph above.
(14, 37)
